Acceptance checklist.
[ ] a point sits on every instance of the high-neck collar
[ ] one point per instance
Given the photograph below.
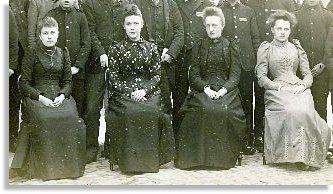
(306, 6)
(279, 44)
(130, 43)
(215, 40)
(47, 50)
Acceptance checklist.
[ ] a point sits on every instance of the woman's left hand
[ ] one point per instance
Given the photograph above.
(299, 89)
(58, 100)
(139, 95)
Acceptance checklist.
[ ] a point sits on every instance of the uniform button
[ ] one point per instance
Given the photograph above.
(312, 38)
(267, 33)
(235, 26)
(235, 17)
(191, 22)
(311, 23)
(67, 27)
(236, 36)
(233, 7)
(266, 10)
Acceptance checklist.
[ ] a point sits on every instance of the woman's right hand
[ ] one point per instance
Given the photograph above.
(139, 95)
(210, 93)
(45, 101)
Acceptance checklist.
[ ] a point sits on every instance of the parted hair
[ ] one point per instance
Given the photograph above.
(213, 11)
(282, 15)
(46, 22)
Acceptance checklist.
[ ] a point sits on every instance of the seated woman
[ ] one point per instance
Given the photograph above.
(294, 132)
(52, 137)
(141, 136)
(214, 122)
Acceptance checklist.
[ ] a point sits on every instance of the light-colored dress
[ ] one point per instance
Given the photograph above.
(294, 131)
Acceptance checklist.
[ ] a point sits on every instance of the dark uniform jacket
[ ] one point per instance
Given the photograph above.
(173, 25)
(191, 12)
(311, 30)
(13, 41)
(241, 25)
(106, 28)
(73, 34)
(263, 9)
(329, 56)
(20, 10)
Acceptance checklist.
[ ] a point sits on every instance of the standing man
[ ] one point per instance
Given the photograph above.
(74, 34)
(263, 9)
(312, 30)
(106, 28)
(13, 69)
(241, 27)
(191, 12)
(164, 26)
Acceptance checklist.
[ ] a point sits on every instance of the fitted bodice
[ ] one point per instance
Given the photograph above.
(216, 70)
(132, 66)
(278, 63)
(46, 72)
(283, 62)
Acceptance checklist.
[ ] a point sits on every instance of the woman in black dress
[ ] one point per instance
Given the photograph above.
(214, 123)
(141, 135)
(52, 137)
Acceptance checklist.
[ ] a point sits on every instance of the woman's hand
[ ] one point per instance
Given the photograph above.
(210, 93)
(45, 101)
(221, 92)
(139, 95)
(299, 89)
(58, 100)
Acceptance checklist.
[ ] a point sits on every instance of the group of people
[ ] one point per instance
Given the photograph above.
(179, 77)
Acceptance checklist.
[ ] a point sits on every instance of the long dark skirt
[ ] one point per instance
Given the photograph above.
(211, 132)
(294, 131)
(51, 141)
(141, 134)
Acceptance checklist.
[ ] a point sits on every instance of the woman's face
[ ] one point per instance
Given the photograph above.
(133, 25)
(49, 36)
(311, 2)
(213, 26)
(281, 30)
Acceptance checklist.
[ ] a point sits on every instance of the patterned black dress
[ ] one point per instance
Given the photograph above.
(141, 134)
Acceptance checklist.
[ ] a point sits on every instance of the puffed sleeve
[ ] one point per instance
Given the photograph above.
(154, 71)
(304, 65)
(261, 68)
(235, 67)
(27, 71)
(66, 82)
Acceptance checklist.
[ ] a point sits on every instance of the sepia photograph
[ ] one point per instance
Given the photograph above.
(168, 92)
